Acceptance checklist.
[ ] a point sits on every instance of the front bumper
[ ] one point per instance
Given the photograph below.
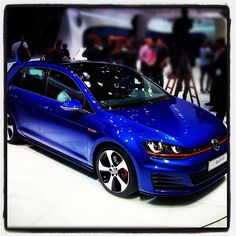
(180, 177)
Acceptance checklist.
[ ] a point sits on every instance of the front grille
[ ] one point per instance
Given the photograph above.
(205, 175)
(208, 146)
(168, 182)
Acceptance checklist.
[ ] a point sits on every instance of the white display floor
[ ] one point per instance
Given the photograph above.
(43, 192)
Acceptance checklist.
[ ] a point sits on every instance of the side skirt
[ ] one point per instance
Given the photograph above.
(59, 154)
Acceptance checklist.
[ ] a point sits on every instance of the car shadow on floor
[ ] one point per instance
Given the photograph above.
(153, 200)
(182, 200)
(63, 161)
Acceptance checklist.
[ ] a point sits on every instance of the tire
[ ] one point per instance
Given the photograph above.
(12, 134)
(115, 171)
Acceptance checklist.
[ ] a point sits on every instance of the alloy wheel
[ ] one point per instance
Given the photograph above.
(10, 128)
(114, 171)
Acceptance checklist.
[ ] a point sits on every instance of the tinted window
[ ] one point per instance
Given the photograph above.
(63, 79)
(31, 79)
(115, 86)
(62, 88)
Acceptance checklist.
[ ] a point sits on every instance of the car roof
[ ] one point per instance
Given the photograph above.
(70, 62)
(65, 64)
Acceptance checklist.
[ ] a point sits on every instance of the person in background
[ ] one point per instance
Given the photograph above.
(161, 61)
(65, 52)
(94, 50)
(184, 74)
(20, 43)
(56, 54)
(147, 57)
(129, 53)
(205, 53)
(106, 49)
(115, 51)
(221, 78)
(47, 55)
(180, 31)
(210, 69)
(181, 49)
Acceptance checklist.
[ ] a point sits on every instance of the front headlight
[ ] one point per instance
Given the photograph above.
(160, 149)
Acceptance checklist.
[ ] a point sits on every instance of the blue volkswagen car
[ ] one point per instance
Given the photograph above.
(114, 121)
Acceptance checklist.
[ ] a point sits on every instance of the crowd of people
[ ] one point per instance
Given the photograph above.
(58, 53)
(154, 56)
(116, 49)
(125, 50)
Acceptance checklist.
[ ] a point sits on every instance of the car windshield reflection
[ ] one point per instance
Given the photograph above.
(118, 87)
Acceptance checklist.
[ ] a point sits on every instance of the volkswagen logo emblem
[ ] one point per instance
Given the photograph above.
(215, 144)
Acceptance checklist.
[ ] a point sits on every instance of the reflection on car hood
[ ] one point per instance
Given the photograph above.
(186, 123)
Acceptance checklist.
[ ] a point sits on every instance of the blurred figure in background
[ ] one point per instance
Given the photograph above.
(129, 53)
(147, 57)
(161, 61)
(47, 54)
(210, 68)
(106, 49)
(220, 79)
(20, 49)
(182, 58)
(180, 40)
(115, 45)
(65, 52)
(95, 49)
(205, 53)
(180, 31)
(184, 74)
(56, 54)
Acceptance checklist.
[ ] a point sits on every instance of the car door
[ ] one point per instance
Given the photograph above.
(64, 131)
(23, 94)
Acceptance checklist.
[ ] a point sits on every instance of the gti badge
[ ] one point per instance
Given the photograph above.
(215, 144)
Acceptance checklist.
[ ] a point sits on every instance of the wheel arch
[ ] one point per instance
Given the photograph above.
(106, 143)
(14, 120)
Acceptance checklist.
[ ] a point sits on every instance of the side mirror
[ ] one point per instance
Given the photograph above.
(72, 105)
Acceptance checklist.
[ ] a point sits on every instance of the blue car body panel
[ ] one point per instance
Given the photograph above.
(172, 121)
(188, 124)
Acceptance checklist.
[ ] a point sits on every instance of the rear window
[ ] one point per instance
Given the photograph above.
(31, 79)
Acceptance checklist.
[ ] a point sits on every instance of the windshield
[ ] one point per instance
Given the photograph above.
(116, 86)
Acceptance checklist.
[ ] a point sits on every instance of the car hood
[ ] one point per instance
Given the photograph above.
(182, 122)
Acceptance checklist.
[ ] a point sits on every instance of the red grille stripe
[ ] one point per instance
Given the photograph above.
(187, 154)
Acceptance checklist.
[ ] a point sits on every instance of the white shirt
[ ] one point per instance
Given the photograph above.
(15, 47)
